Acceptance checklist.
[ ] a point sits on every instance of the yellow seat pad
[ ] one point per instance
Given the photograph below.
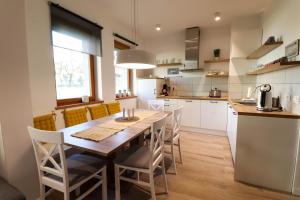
(113, 107)
(44, 122)
(98, 111)
(74, 117)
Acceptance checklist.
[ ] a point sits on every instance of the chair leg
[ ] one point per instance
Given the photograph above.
(104, 184)
(43, 192)
(173, 158)
(152, 186)
(179, 148)
(164, 175)
(66, 195)
(117, 183)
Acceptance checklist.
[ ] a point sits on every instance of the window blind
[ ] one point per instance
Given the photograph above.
(71, 31)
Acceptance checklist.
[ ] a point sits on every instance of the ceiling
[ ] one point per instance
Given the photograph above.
(175, 15)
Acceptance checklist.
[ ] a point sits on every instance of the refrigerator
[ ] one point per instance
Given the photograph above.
(148, 89)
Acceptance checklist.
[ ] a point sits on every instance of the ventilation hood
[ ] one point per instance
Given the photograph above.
(192, 39)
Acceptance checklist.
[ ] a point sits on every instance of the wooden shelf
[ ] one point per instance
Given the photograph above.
(217, 61)
(274, 67)
(169, 64)
(217, 76)
(191, 70)
(263, 50)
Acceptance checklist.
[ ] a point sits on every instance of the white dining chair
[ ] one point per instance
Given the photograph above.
(62, 173)
(156, 105)
(173, 136)
(143, 160)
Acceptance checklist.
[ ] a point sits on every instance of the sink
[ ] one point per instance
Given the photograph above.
(248, 103)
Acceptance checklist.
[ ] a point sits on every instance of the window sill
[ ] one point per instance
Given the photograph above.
(123, 98)
(77, 105)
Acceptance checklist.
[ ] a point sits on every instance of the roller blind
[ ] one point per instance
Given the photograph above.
(71, 31)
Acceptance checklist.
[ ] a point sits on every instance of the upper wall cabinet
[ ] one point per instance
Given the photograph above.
(244, 42)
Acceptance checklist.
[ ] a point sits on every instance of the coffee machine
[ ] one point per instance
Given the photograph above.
(264, 100)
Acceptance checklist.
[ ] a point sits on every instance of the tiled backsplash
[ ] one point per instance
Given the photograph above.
(284, 83)
(197, 86)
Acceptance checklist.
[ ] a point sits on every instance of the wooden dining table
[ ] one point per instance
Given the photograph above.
(108, 147)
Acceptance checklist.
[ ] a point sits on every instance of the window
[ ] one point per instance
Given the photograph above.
(76, 42)
(122, 75)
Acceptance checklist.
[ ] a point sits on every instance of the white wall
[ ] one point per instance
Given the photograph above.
(17, 157)
(42, 78)
(282, 20)
(245, 37)
(173, 46)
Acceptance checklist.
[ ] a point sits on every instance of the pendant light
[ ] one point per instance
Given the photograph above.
(135, 58)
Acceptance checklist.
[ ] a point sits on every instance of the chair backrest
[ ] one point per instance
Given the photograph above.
(176, 120)
(75, 116)
(157, 141)
(113, 107)
(158, 105)
(98, 111)
(45, 122)
(50, 161)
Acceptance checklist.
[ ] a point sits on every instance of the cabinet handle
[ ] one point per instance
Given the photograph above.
(167, 105)
(154, 91)
(234, 113)
(167, 99)
(230, 107)
(189, 101)
(214, 102)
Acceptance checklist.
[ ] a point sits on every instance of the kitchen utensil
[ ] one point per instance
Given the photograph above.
(276, 102)
(215, 93)
(264, 100)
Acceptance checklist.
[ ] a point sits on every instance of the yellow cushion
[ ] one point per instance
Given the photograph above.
(98, 111)
(113, 107)
(74, 117)
(44, 122)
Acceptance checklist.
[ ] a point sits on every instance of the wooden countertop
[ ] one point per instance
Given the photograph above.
(193, 98)
(250, 110)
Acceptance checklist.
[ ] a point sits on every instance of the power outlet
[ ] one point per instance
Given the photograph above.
(296, 99)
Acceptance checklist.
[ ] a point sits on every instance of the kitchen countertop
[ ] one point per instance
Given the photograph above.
(250, 110)
(193, 98)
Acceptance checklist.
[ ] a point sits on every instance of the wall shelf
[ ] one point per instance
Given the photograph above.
(217, 76)
(191, 70)
(168, 64)
(264, 49)
(217, 61)
(274, 67)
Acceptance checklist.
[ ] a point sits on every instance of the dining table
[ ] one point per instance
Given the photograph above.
(109, 147)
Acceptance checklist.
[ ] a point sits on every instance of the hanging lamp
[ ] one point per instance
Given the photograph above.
(135, 58)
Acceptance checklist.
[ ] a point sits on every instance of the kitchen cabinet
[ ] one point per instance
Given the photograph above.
(169, 103)
(214, 115)
(232, 118)
(190, 113)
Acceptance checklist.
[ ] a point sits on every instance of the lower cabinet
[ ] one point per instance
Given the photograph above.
(232, 130)
(214, 115)
(190, 113)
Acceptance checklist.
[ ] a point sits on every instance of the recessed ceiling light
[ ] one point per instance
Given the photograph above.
(217, 16)
(158, 27)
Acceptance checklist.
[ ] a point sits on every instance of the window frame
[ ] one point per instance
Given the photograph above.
(121, 46)
(78, 100)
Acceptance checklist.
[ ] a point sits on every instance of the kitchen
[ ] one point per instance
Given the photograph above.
(230, 67)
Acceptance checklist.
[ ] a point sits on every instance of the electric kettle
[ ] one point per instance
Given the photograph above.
(264, 100)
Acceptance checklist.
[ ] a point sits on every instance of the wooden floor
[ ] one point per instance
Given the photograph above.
(207, 174)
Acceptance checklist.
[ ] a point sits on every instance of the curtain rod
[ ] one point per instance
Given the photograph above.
(125, 39)
(74, 14)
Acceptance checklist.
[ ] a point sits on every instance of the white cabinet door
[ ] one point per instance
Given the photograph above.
(232, 130)
(190, 113)
(214, 115)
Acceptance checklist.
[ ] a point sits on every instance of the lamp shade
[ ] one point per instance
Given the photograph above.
(135, 59)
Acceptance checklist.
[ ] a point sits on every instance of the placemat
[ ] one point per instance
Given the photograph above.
(109, 128)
